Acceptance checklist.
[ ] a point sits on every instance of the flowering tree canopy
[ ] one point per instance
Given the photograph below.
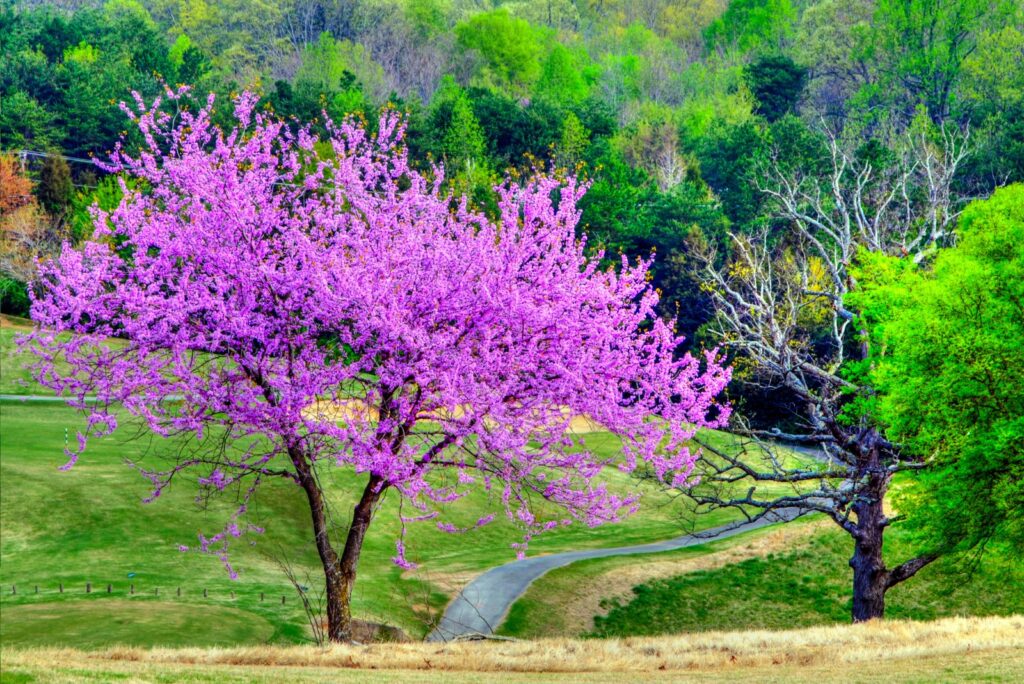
(319, 303)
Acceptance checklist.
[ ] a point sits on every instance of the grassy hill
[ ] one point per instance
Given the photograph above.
(775, 578)
(61, 531)
(88, 526)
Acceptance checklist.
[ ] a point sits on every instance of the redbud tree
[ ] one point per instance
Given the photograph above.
(255, 275)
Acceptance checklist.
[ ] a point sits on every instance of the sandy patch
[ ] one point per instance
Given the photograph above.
(354, 409)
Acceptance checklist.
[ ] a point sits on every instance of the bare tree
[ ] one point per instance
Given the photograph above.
(784, 311)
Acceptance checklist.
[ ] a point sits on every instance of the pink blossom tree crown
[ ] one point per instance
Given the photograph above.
(258, 273)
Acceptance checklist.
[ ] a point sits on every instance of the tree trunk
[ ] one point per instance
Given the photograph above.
(339, 573)
(870, 576)
(339, 597)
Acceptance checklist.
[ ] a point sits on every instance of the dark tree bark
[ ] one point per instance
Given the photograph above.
(850, 490)
(869, 573)
(871, 578)
(339, 572)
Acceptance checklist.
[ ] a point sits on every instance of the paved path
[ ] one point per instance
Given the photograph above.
(481, 607)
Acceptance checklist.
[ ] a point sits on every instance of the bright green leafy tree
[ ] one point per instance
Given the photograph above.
(948, 366)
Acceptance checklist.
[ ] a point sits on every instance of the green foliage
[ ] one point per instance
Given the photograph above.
(573, 143)
(454, 132)
(510, 50)
(516, 132)
(954, 336)
(332, 68)
(54, 188)
(776, 81)
(921, 46)
(566, 77)
(13, 297)
(753, 24)
(728, 158)
(106, 195)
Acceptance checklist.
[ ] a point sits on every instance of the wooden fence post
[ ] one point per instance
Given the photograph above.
(60, 587)
(14, 590)
(88, 587)
(261, 597)
(282, 600)
(131, 588)
(204, 593)
(179, 592)
(110, 589)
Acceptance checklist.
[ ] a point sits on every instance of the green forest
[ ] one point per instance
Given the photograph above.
(672, 109)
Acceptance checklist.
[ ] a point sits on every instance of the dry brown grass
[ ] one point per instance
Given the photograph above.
(825, 649)
(338, 411)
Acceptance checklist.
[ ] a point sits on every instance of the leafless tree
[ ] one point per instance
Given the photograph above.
(784, 312)
(314, 601)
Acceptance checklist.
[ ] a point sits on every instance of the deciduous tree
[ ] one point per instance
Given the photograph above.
(787, 311)
(255, 281)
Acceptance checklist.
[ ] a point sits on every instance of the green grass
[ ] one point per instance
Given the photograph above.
(134, 622)
(89, 525)
(15, 374)
(804, 586)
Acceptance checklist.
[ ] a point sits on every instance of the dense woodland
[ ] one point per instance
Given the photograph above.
(670, 108)
(794, 165)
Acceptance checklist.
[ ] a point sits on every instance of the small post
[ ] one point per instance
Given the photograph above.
(110, 589)
(261, 597)
(60, 587)
(14, 590)
(131, 588)
(88, 587)
(205, 594)
(282, 600)
(156, 591)
(179, 592)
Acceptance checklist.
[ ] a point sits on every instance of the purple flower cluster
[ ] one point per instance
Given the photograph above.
(256, 273)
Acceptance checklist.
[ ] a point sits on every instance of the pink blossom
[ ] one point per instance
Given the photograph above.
(255, 277)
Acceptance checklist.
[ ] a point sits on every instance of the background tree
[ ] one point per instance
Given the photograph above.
(55, 188)
(510, 50)
(457, 348)
(787, 312)
(777, 82)
(26, 233)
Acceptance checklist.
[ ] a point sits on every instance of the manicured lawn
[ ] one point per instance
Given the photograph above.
(806, 584)
(89, 525)
(137, 622)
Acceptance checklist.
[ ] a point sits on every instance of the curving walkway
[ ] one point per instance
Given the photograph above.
(481, 607)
